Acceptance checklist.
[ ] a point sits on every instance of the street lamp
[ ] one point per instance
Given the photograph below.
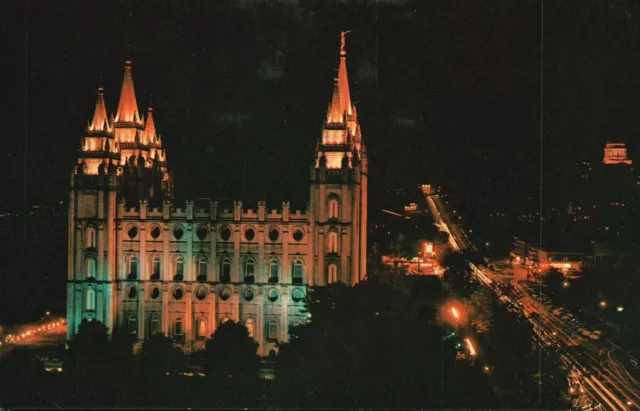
(620, 308)
(565, 284)
(603, 304)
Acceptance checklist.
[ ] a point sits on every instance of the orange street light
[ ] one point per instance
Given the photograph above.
(603, 304)
(472, 350)
(455, 313)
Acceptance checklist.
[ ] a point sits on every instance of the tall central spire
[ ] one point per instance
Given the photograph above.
(343, 80)
(128, 106)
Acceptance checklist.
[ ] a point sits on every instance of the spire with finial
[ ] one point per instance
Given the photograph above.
(343, 80)
(128, 106)
(335, 114)
(98, 123)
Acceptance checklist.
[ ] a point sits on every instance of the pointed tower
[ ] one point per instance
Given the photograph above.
(338, 206)
(103, 183)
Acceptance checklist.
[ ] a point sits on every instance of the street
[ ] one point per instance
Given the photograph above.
(596, 377)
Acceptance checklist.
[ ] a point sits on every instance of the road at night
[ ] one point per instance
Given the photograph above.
(36, 335)
(596, 377)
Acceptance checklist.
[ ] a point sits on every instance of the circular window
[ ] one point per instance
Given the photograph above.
(225, 234)
(225, 294)
(273, 295)
(297, 235)
(297, 295)
(178, 232)
(132, 292)
(273, 234)
(154, 293)
(155, 232)
(249, 294)
(201, 293)
(133, 232)
(249, 234)
(202, 232)
(178, 293)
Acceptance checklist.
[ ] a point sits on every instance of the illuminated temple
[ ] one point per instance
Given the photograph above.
(138, 262)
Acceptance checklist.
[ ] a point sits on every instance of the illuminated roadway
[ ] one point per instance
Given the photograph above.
(597, 379)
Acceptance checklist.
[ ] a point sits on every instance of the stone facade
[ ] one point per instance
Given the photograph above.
(139, 261)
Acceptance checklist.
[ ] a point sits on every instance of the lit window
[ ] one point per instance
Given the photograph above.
(91, 268)
(91, 300)
(90, 237)
(179, 265)
(133, 266)
(333, 242)
(178, 327)
(273, 270)
(332, 272)
(250, 327)
(296, 270)
(249, 270)
(333, 209)
(155, 271)
(202, 328)
(273, 330)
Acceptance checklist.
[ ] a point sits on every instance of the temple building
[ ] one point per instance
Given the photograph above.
(139, 262)
(615, 153)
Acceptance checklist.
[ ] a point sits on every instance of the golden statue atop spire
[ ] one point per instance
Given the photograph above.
(343, 42)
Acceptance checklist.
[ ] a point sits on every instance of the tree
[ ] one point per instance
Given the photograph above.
(159, 357)
(230, 354)
(458, 274)
(370, 346)
(22, 378)
(481, 310)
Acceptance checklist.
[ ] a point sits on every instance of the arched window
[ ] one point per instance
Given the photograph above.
(250, 327)
(91, 300)
(91, 268)
(133, 266)
(133, 324)
(333, 206)
(179, 266)
(332, 274)
(273, 330)
(249, 270)
(202, 267)
(225, 269)
(90, 237)
(273, 271)
(177, 326)
(155, 267)
(332, 241)
(202, 328)
(296, 272)
(154, 326)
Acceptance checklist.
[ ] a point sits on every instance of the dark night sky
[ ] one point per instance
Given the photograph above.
(447, 91)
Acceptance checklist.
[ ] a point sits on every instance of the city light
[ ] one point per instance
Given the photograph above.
(454, 311)
(603, 304)
(472, 350)
(620, 308)
(565, 284)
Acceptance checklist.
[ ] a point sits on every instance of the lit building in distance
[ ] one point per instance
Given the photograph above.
(140, 262)
(615, 153)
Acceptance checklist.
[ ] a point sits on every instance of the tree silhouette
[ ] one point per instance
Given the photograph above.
(230, 354)
(370, 346)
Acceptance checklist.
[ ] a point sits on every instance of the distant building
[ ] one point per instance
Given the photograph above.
(566, 262)
(139, 261)
(615, 153)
